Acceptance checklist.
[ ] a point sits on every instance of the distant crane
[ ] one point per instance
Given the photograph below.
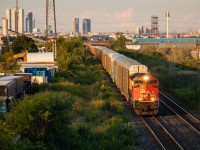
(51, 12)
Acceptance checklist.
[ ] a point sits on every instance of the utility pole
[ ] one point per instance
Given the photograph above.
(167, 14)
(51, 21)
(46, 26)
(17, 16)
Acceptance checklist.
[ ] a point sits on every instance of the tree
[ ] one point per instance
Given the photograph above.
(22, 43)
(6, 43)
(65, 61)
(70, 52)
(120, 42)
(43, 117)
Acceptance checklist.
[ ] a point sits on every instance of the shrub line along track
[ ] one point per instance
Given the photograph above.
(182, 113)
(164, 138)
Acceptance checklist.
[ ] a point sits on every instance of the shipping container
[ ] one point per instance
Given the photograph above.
(18, 81)
(36, 71)
(40, 57)
(27, 80)
(8, 88)
(39, 79)
(134, 47)
(49, 72)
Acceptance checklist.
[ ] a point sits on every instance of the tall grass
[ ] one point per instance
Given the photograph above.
(98, 121)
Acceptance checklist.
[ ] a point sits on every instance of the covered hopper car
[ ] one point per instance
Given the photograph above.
(132, 79)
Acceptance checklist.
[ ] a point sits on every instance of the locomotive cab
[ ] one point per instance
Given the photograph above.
(145, 95)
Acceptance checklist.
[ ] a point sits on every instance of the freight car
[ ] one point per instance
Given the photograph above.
(132, 79)
(19, 84)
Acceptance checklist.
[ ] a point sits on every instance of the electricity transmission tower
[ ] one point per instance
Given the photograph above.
(51, 26)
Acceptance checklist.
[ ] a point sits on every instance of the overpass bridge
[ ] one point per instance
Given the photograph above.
(37, 40)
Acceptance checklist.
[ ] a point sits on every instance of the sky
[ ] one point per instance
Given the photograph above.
(114, 15)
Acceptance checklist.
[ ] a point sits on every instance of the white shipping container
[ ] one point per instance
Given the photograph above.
(39, 79)
(134, 47)
(40, 57)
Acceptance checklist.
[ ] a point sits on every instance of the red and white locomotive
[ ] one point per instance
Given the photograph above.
(145, 95)
(132, 79)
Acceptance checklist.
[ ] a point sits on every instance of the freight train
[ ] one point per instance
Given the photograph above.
(132, 78)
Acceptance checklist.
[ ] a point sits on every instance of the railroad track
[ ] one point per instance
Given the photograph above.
(182, 125)
(178, 110)
(164, 138)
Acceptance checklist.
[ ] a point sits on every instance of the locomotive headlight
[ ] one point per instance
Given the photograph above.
(146, 78)
(152, 99)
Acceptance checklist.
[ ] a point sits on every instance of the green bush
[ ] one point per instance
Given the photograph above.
(42, 115)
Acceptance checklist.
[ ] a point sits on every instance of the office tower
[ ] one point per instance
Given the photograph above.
(142, 30)
(34, 23)
(5, 26)
(13, 19)
(26, 24)
(75, 25)
(137, 30)
(148, 30)
(86, 26)
(30, 22)
(20, 20)
(8, 16)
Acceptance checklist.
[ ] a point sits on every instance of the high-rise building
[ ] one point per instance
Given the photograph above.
(13, 18)
(21, 21)
(30, 22)
(75, 25)
(8, 16)
(86, 26)
(137, 30)
(5, 26)
(34, 23)
(26, 24)
(148, 30)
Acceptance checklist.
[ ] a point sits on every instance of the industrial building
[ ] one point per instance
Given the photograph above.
(165, 40)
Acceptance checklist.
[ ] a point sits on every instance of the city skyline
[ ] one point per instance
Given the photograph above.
(116, 15)
(14, 22)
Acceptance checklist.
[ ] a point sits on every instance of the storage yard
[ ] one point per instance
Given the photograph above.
(37, 68)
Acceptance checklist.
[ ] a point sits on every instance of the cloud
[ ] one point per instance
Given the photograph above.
(106, 21)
